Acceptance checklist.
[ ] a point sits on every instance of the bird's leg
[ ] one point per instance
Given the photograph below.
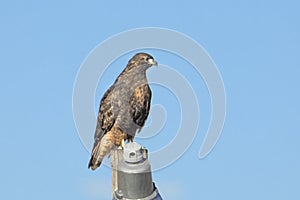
(122, 144)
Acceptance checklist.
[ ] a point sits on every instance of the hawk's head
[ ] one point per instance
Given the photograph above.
(141, 61)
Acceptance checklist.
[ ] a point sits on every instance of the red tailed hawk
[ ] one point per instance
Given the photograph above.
(124, 108)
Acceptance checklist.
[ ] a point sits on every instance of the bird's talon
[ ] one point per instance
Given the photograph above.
(122, 143)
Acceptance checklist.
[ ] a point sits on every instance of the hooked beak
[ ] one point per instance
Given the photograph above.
(152, 62)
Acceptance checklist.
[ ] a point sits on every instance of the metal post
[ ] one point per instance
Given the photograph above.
(115, 157)
(134, 178)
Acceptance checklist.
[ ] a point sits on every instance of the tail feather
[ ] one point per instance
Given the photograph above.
(96, 157)
(100, 150)
(93, 164)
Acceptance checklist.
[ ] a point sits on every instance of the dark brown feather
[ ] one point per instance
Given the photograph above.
(140, 104)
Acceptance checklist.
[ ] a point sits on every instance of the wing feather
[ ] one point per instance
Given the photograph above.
(140, 104)
(106, 115)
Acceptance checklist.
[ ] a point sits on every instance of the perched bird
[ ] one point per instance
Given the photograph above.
(124, 108)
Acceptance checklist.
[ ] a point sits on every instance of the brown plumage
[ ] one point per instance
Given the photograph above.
(124, 108)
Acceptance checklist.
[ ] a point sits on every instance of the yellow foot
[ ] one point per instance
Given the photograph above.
(122, 144)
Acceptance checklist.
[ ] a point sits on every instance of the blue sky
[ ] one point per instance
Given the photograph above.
(255, 45)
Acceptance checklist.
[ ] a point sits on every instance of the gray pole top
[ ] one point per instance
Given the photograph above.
(134, 175)
(132, 152)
